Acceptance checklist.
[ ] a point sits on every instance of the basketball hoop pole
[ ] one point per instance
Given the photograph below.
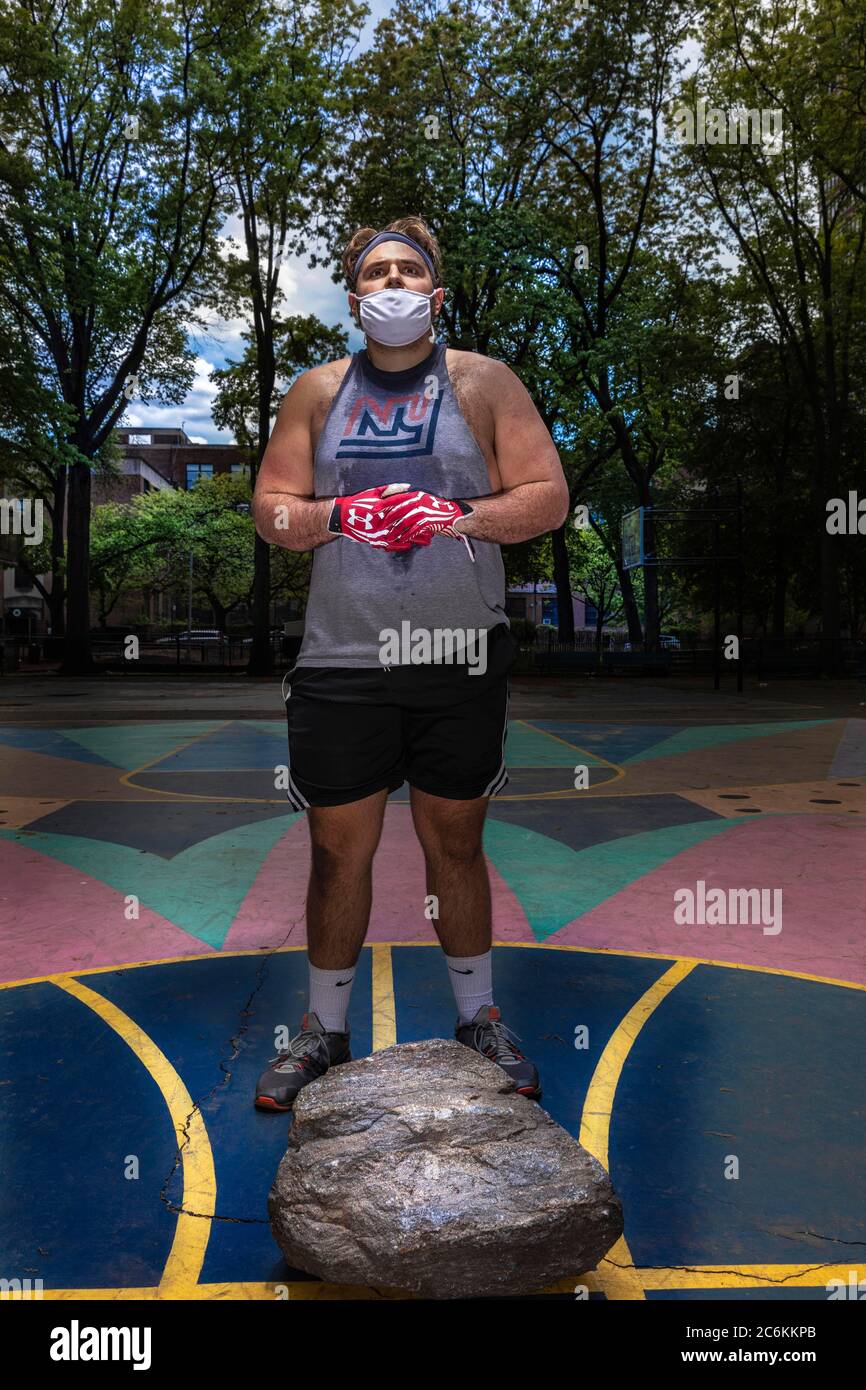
(717, 600)
(635, 555)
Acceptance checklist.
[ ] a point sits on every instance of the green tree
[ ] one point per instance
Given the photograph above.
(146, 544)
(782, 209)
(282, 83)
(35, 424)
(535, 126)
(299, 342)
(110, 199)
(595, 577)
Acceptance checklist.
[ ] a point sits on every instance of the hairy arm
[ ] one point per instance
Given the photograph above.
(534, 496)
(285, 510)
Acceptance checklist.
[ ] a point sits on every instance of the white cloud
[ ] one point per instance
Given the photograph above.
(690, 50)
(194, 415)
(379, 9)
(306, 290)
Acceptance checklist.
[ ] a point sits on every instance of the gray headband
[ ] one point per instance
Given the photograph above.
(393, 236)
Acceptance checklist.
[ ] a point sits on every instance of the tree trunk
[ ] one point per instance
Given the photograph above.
(261, 662)
(599, 628)
(219, 610)
(562, 580)
(57, 598)
(829, 553)
(629, 602)
(780, 593)
(77, 658)
(651, 589)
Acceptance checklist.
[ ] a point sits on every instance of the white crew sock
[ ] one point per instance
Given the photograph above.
(329, 996)
(472, 981)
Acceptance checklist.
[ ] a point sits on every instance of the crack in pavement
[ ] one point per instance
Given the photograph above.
(234, 1041)
(837, 1240)
(738, 1273)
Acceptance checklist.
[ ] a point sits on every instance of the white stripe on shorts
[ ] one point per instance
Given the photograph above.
(295, 798)
(501, 775)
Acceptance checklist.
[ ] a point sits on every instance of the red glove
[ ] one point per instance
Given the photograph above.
(364, 516)
(419, 516)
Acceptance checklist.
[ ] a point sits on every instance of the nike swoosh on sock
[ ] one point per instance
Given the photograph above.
(461, 972)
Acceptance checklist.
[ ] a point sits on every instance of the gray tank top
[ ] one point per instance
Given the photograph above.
(392, 427)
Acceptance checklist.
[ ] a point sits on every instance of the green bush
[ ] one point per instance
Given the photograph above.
(524, 630)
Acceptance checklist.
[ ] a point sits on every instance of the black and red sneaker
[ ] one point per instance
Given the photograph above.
(308, 1056)
(488, 1035)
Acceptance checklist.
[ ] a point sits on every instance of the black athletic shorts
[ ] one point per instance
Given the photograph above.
(356, 730)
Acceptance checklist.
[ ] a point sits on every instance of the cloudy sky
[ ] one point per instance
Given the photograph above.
(307, 292)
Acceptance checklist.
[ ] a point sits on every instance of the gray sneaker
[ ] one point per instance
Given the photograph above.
(488, 1034)
(309, 1055)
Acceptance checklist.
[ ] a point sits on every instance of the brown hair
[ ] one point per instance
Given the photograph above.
(415, 227)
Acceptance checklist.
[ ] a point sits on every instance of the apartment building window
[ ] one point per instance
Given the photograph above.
(138, 439)
(241, 468)
(194, 471)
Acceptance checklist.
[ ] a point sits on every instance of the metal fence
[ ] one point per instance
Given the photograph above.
(768, 657)
(219, 654)
(763, 658)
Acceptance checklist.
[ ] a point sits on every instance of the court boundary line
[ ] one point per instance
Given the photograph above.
(262, 951)
(616, 1275)
(675, 1278)
(192, 1230)
(567, 793)
(617, 1269)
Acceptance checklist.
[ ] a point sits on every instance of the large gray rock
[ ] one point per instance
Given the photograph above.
(421, 1168)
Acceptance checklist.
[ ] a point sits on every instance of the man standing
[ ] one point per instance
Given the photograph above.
(404, 467)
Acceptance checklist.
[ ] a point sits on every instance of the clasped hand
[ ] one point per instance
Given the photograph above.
(394, 517)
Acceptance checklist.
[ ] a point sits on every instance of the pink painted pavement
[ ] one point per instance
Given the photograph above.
(66, 921)
(819, 861)
(272, 913)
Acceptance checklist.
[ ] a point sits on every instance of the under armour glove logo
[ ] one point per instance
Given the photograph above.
(364, 516)
(395, 518)
(422, 515)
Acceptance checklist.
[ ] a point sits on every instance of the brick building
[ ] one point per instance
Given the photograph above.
(171, 456)
(151, 460)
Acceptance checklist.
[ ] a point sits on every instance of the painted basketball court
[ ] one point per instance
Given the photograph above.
(153, 892)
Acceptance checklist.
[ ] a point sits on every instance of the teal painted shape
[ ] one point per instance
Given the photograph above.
(129, 746)
(50, 742)
(235, 747)
(527, 746)
(716, 735)
(555, 884)
(200, 890)
(850, 757)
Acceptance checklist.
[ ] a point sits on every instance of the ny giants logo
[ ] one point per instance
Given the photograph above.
(402, 426)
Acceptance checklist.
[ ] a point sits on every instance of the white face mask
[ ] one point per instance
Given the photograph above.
(395, 317)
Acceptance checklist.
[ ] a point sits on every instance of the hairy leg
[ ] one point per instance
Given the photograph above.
(343, 841)
(450, 834)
